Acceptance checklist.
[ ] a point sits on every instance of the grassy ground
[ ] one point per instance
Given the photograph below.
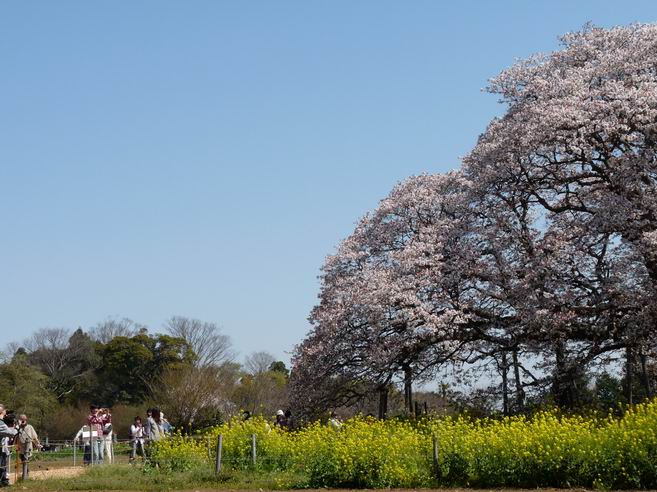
(128, 478)
(138, 478)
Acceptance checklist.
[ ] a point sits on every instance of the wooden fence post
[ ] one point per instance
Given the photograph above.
(217, 463)
(25, 470)
(253, 449)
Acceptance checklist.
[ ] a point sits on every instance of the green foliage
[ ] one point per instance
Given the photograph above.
(608, 391)
(126, 365)
(170, 352)
(129, 477)
(179, 453)
(58, 377)
(548, 449)
(272, 444)
(364, 453)
(261, 393)
(279, 366)
(24, 388)
(129, 364)
(79, 374)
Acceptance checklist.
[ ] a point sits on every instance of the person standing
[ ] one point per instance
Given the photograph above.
(7, 432)
(166, 426)
(154, 430)
(108, 434)
(96, 421)
(27, 441)
(84, 435)
(147, 424)
(137, 439)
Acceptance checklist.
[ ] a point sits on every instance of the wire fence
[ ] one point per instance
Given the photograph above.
(59, 458)
(59, 455)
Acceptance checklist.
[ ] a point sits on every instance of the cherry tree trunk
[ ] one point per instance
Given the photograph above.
(383, 402)
(408, 389)
(562, 386)
(629, 375)
(520, 392)
(644, 376)
(505, 385)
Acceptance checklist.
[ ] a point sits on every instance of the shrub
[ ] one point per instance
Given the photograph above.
(547, 449)
(179, 453)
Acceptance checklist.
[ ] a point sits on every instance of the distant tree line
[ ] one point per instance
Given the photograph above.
(189, 371)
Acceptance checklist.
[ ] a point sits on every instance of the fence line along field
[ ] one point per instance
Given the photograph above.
(545, 450)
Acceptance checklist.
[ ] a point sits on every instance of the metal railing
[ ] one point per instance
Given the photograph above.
(97, 451)
(64, 454)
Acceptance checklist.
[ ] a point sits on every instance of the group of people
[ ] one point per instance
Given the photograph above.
(97, 435)
(141, 434)
(15, 432)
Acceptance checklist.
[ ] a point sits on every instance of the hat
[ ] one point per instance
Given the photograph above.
(280, 412)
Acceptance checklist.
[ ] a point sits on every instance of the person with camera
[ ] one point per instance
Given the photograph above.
(96, 422)
(7, 432)
(107, 434)
(27, 440)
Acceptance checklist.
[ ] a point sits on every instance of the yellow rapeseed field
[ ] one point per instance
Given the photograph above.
(547, 449)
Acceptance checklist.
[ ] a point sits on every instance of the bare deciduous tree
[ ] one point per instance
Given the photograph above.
(48, 349)
(106, 330)
(258, 362)
(194, 394)
(211, 347)
(9, 351)
(262, 393)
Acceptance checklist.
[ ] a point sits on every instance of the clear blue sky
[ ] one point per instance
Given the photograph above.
(201, 158)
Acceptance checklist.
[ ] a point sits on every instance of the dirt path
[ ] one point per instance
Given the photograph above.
(55, 472)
